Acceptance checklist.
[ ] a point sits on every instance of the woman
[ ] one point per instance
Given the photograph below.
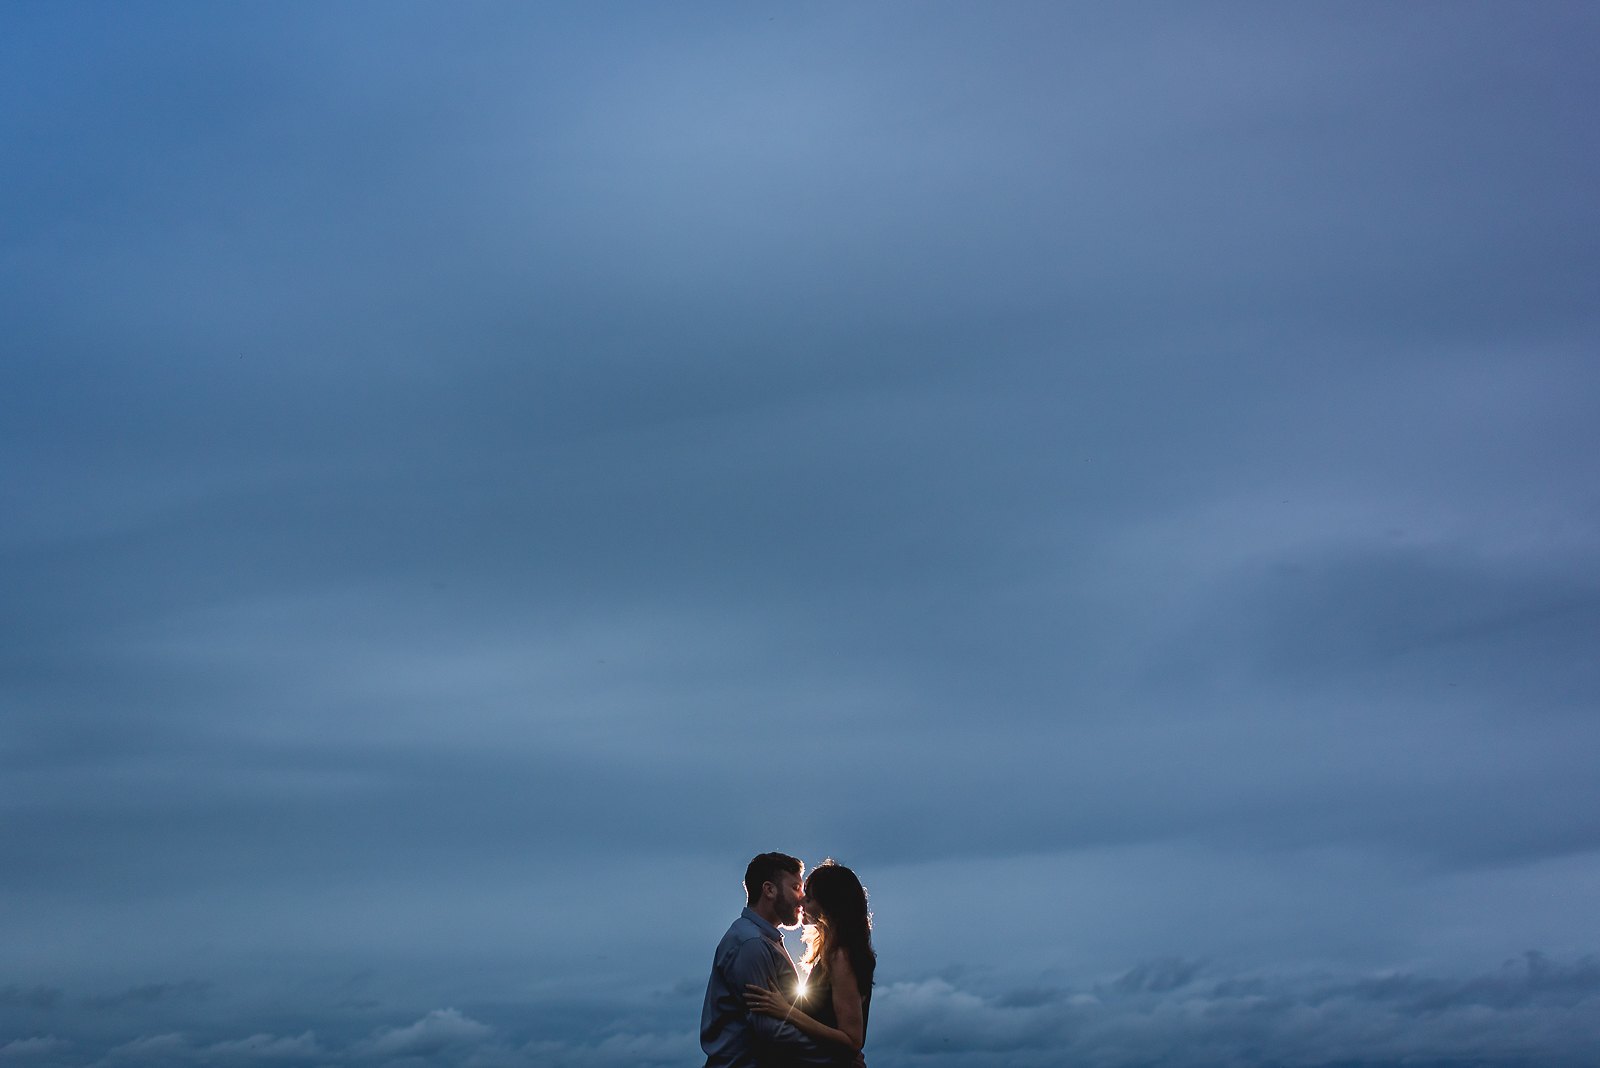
(833, 1001)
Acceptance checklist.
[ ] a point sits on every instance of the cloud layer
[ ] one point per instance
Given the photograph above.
(1167, 1011)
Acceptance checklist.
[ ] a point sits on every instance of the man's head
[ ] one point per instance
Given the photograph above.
(773, 890)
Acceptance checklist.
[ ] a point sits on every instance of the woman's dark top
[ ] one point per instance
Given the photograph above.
(819, 999)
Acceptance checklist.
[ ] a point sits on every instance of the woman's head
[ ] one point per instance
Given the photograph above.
(834, 893)
(836, 910)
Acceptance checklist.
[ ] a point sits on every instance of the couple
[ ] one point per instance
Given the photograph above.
(757, 1012)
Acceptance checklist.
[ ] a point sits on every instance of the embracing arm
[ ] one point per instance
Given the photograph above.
(758, 965)
(852, 1030)
(847, 999)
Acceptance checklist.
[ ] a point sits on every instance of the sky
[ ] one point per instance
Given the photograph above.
(1122, 478)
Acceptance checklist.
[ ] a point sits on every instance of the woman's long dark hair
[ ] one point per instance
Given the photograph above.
(836, 903)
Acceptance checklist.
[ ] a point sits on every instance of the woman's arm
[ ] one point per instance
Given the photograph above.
(771, 1003)
(850, 1033)
(847, 999)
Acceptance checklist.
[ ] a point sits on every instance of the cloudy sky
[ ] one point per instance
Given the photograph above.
(1123, 478)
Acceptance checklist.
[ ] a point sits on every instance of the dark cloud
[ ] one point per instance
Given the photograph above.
(1533, 980)
(37, 997)
(1431, 617)
(147, 994)
(1157, 977)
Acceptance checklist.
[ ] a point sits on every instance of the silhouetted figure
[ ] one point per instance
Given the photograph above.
(752, 954)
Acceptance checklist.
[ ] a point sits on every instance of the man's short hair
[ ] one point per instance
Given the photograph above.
(767, 868)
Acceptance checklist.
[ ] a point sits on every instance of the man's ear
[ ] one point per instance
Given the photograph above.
(769, 889)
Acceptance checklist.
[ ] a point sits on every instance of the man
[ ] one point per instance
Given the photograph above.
(752, 952)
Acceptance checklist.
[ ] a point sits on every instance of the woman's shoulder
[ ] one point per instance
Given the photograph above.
(858, 967)
(841, 963)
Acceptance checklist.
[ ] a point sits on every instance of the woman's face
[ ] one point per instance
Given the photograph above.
(813, 911)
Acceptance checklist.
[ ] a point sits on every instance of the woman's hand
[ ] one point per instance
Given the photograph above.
(767, 1002)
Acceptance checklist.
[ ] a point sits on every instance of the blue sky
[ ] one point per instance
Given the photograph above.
(1120, 478)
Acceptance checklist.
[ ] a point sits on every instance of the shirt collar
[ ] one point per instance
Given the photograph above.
(765, 927)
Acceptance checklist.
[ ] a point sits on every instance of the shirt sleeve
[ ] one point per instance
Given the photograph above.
(760, 963)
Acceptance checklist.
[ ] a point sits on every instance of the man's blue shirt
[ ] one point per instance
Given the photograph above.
(732, 1037)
